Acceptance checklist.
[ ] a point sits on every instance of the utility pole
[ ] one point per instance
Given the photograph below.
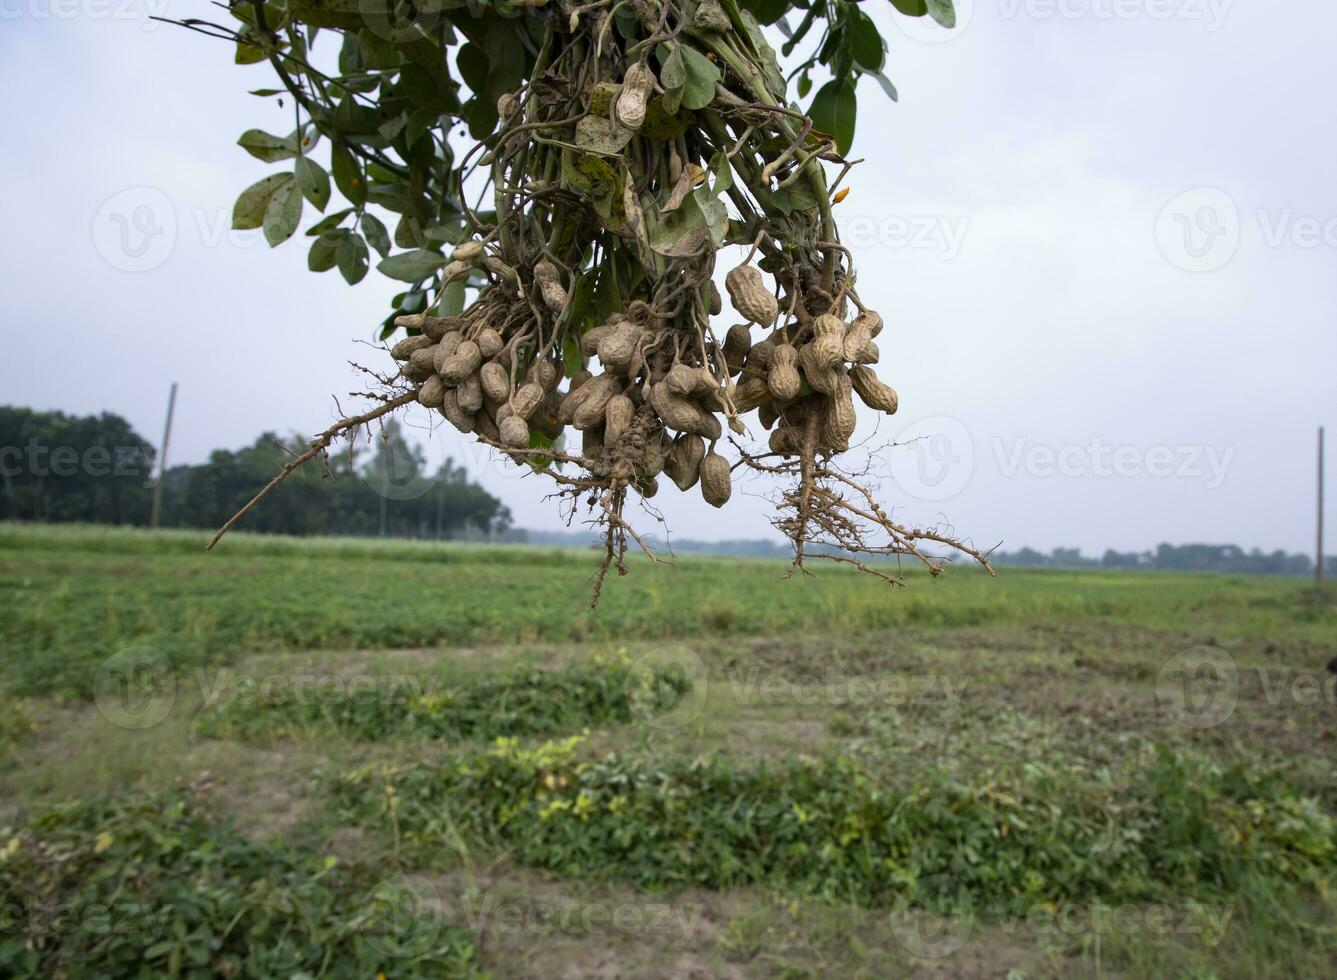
(162, 459)
(1318, 566)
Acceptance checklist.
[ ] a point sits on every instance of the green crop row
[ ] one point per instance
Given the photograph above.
(603, 691)
(1163, 824)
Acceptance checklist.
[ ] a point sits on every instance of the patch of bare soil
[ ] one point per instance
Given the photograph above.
(270, 798)
(528, 925)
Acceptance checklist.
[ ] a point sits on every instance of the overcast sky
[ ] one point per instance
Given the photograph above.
(1102, 234)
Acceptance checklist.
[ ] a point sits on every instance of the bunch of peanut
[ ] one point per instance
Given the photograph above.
(468, 371)
(647, 400)
(803, 376)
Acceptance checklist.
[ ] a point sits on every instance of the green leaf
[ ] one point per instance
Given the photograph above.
(663, 123)
(351, 256)
(391, 196)
(582, 291)
(691, 176)
(699, 87)
(473, 65)
(602, 135)
(481, 115)
(766, 11)
(283, 213)
(943, 12)
(411, 266)
(266, 147)
(391, 128)
(159, 949)
(427, 93)
(249, 211)
(694, 226)
(798, 196)
(348, 174)
(673, 74)
(721, 171)
(377, 237)
(321, 257)
(452, 300)
(572, 357)
(670, 102)
(804, 85)
(314, 182)
(328, 223)
(864, 41)
(276, 15)
(377, 52)
(420, 123)
(716, 215)
(911, 8)
(608, 297)
(602, 97)
(887, 87)
(310, 138)
(833, 111)
(770, 66)
(248, 54)
(587, 173)
(409, 233)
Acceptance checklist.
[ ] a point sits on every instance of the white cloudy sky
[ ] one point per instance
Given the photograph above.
(1018, 221)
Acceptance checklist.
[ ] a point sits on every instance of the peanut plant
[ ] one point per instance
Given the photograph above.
(561, 269)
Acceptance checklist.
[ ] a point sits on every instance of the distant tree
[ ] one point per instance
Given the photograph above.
(1130, 559)
(1169, 557)
(58, 467)
(206, 495)
(1069, 558)
(382, 489)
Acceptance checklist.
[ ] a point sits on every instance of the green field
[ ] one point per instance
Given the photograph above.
(436, 760)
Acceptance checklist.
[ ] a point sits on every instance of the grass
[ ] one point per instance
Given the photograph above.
(157, 886)
(72, 597)
(968, 777)
(1159, 824)
(435, 706)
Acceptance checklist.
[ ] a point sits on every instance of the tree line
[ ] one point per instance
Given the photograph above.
(96, 468)
(1166, 557)
(1174, 558)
